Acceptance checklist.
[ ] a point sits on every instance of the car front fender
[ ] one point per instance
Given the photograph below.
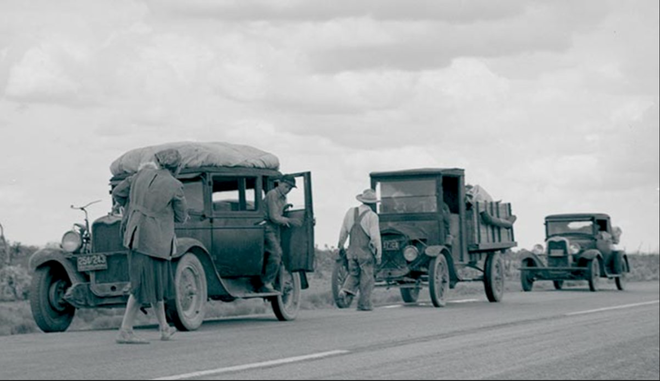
(591, 254)
(183, 245)
(435, 250)
(535, 259)
(52, 256)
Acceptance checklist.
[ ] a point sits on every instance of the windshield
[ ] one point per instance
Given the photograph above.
(570, 227)
(415, 196)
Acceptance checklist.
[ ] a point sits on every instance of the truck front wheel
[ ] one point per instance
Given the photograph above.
(50, 311)
(494, 277)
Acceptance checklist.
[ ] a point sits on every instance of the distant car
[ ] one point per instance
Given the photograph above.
(578, 247)
(430, 231)
(220, 252)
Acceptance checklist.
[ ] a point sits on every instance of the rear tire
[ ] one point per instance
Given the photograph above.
(49, 309)
(339, 275)
(409, 295)
(494, 277)
(439, 280)
(287, 304)
(188, 308)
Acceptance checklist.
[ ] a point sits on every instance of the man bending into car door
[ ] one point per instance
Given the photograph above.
(364, 249)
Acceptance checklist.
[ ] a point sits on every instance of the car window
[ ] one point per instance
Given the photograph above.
(194, 191)
(234, 194)
(564, 227)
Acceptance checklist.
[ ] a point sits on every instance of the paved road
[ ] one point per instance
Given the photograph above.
(571, 334)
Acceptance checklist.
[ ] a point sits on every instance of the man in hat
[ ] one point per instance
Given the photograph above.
(275, 203)
(364, 249)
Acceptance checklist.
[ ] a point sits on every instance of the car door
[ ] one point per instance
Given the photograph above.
(238, 236)
(298, 241)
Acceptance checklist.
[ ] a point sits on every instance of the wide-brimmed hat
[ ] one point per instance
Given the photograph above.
(289, 180)
(367, 197)
(169, 158)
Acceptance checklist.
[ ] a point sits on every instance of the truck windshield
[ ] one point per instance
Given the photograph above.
(570, 227)
(412, 196)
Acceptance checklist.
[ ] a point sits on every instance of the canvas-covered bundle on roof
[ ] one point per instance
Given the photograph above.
(194, 155)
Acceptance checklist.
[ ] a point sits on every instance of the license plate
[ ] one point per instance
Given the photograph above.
(557, 253)
(391, 245)
(92, 262)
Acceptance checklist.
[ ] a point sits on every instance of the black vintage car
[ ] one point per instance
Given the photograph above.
(430, 231)
(578, 247)
(220, 252)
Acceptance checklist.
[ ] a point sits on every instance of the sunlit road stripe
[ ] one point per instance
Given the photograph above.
(612, 308)
(265, 364)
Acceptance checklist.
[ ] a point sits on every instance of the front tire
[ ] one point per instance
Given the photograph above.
(621, 279)
(593, 274)
(439, 280)
(339, 275)
(287, 304)
(188, 308)
(559, 284)
(526, 279)
(49, 309)
(494, 277)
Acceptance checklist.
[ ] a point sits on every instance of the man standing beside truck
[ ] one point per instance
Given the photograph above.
(364, 249)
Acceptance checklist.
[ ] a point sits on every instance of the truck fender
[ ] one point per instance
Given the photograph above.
(435, 250)
(591, 255)
(51, 256)
(531, 257)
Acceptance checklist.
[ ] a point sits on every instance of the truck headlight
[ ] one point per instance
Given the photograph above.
(410, 253)
(71, 241)
(538, 249)
(574, 248)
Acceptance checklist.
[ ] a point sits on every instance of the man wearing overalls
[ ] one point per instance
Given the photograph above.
(364, 249)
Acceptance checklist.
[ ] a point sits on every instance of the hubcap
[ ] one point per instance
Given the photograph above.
(56, 295)
(189, 291)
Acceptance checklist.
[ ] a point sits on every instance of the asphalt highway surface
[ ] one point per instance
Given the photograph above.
(568, 334)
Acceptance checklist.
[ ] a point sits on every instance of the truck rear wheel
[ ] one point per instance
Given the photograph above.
(287, 304)
(49, 309)
(494, 277)
(439, 280)
(188, 308)
(409, 295)
(339, 275)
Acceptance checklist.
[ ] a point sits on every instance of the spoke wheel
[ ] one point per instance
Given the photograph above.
(494, 277)
(439, 281)
(287, 304)
(594, 274)
(188, 309)
(339, 275)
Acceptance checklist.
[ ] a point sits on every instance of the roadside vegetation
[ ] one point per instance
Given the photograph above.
(16, 317)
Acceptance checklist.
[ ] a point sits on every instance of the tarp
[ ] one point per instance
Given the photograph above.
(194, 154)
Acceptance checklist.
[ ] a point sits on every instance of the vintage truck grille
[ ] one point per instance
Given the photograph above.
(557, 248)
(394, 264)
(106, 235)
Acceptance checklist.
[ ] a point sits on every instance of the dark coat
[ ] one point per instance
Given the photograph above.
(156, 201)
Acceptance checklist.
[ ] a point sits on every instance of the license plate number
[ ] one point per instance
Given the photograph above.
(391, 245)
(557, 253)
(92, 262)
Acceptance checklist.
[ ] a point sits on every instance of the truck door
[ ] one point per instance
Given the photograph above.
(298, 241)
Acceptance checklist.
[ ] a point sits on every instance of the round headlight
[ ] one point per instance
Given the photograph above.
(538, 249)
(71, 242)
(410, 253)
(574, 248)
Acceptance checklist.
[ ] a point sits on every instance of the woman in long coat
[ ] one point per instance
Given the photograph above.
(154, 201)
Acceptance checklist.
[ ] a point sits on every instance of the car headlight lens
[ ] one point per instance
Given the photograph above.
(574, 248)
(538, 249)
(71, 242)
(410, 253)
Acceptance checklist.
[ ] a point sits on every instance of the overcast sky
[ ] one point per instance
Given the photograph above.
(549, 105)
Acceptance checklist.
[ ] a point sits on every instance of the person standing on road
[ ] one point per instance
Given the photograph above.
(157, 201)
(275, 203)
(364, 251)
